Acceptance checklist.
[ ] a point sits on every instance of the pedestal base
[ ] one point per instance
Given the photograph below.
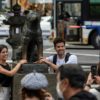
(27, 68)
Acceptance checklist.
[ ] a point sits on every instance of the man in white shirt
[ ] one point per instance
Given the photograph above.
(61, 57)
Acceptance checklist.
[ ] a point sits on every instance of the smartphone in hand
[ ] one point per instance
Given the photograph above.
(94, 71)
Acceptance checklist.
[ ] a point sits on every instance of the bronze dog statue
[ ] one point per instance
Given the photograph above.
(32, 42)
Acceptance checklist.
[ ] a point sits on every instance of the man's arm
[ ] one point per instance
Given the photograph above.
(53, 66)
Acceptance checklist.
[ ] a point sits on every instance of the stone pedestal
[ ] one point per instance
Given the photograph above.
(27, 68)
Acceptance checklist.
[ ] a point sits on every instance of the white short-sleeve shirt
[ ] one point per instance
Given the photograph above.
(96, 93)
(71, 60)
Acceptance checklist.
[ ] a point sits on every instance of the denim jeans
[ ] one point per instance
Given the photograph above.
(4, 93)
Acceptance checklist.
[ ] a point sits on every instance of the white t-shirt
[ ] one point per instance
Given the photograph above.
(96, 93)
(71, 60)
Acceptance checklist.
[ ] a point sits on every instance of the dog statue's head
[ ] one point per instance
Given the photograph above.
(31, 15)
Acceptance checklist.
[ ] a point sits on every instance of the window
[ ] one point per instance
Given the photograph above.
(74, 9)
(94, 9)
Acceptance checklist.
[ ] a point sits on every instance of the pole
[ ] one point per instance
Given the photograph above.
(11, 5)
(99, 41)
(0, 4)
(54, 9)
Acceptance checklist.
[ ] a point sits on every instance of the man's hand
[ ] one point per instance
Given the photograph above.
(40, 60)
(44, 61)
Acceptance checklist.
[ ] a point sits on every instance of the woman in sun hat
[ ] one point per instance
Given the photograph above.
(34, 87)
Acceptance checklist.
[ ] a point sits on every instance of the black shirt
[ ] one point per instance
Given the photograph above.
(5, 80)
(83, 95)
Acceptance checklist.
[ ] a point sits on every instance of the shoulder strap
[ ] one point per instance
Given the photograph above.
(1, 65)
(6, 66)
(55, 59)
(67, 57)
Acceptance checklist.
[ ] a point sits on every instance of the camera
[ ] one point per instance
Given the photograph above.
(94, 70)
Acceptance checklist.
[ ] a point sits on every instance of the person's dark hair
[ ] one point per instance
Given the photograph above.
(2, 47)
(32, 93)
(74, 73)
(58, 40)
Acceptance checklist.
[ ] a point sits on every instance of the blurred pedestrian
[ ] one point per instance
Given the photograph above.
(94, 79)
(70, 83)
(34, 87)
(6, 73)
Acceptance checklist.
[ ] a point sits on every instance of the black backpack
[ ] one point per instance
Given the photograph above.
(55, 58)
